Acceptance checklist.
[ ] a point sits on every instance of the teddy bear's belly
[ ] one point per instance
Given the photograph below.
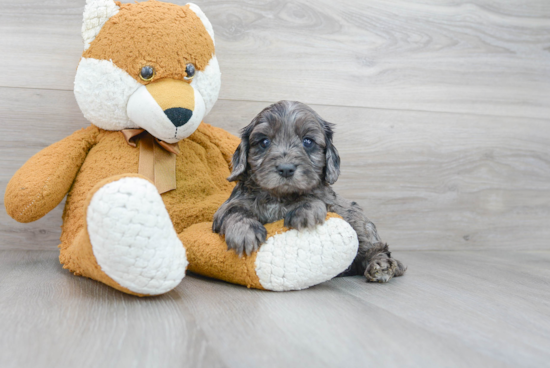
(201, 173)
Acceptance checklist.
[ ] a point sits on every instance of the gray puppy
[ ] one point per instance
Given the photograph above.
(285, 166)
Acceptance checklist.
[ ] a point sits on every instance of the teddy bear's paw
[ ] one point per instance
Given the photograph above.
(133, 238)
(296, 260)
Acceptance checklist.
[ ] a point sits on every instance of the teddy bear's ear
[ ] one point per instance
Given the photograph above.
(195, 8)
(96, 14)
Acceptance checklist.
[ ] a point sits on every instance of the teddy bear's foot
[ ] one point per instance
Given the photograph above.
(296, 260)
(288, 260)
(133, 238)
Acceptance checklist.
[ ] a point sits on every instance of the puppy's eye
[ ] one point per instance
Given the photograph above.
(147, 73)
(308, 142)
(190, 70)
(264, 143)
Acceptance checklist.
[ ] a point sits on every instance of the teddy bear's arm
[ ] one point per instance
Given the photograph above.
(44, 180)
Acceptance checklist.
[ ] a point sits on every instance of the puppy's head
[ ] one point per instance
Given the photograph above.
(287, 149)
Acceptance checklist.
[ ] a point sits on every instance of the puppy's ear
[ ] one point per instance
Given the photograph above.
(240, 157)
(332, 167)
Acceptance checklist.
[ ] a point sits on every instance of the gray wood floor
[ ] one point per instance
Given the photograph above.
(443, 123)
(454, 309)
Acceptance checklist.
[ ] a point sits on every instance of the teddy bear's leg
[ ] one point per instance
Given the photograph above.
(288, 260)
(129, 241)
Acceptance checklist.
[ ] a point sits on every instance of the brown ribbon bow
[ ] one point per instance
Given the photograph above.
(157, 159)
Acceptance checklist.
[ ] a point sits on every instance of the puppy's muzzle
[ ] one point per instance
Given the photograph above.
(286, 170)
(176, 98)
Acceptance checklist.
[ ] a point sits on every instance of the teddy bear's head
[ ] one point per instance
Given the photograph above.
(148, 65)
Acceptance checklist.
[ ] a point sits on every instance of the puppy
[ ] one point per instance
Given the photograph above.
(284, 168)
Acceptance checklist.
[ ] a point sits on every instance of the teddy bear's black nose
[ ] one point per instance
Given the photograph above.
(179, 116)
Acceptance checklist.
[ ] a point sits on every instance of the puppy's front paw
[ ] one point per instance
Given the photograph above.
(383, 268)
(245, 236)
(306, 216)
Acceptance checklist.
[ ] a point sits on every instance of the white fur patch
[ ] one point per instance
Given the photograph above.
(296, 260)
(133, 238)
(96, 14)
(195, 8)
(208, 83)
(146, 113)
(102, 91)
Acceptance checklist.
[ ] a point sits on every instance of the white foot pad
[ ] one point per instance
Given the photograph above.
(133, 238)
(296, 260)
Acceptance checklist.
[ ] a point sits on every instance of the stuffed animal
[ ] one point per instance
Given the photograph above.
(145, 179)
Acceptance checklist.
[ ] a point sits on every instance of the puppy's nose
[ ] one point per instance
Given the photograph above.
(286, 170)
(179, 116)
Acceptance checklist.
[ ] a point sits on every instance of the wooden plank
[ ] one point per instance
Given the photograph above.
(483, 57)
(495, 302)
(458, 309)
(428, 180)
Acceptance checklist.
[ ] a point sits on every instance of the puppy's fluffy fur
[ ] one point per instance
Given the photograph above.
(285, 166)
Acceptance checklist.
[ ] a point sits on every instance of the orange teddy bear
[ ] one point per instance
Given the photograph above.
(145, 179)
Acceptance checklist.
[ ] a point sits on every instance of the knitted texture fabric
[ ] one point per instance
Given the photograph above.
(133, 238)
(289, 260)
(295, 260)
(96, 14)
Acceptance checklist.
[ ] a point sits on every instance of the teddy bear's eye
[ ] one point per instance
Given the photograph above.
(147, 73)
(190, 70)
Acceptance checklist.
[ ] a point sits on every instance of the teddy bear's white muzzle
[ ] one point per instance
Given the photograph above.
(169, 110)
